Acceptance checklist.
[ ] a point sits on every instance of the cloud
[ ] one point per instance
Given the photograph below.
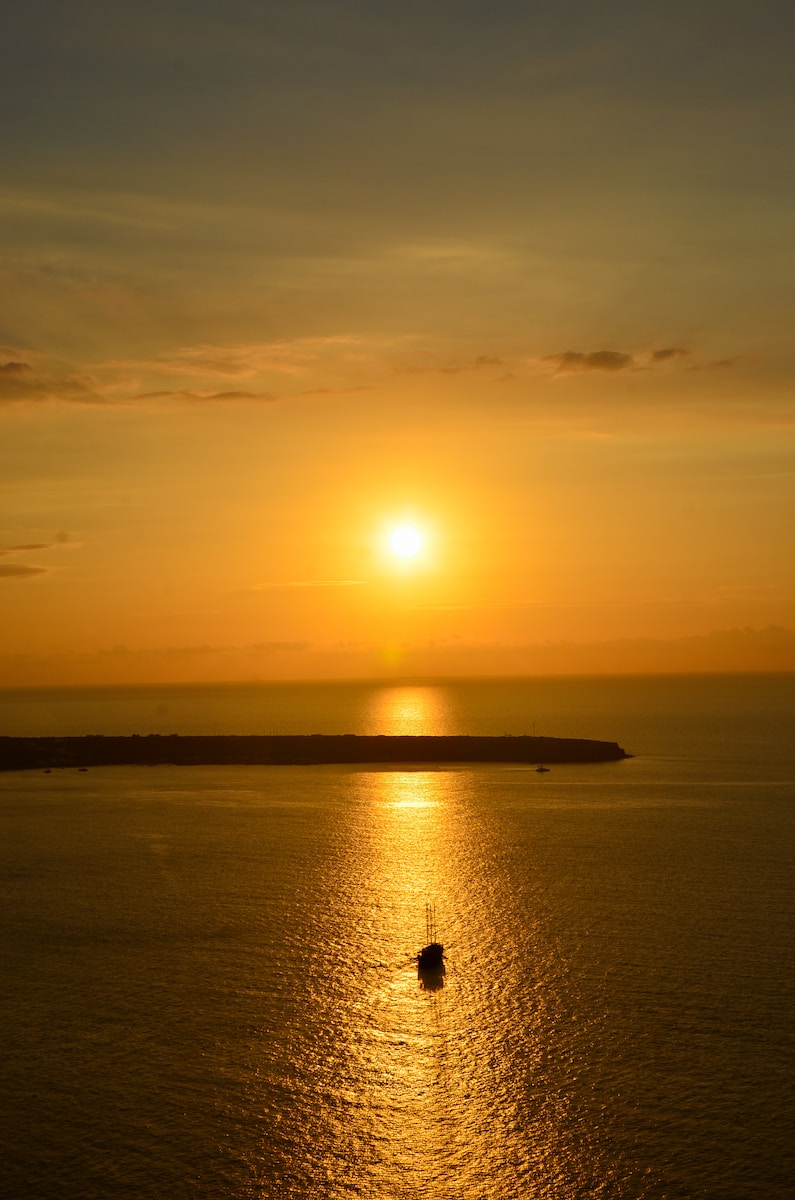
(290, 357)
(478, 364)
(335, 391)
(720, 364)
(205, 397)
(573, 361)
(19, 381)
(256, 373)
(20, 571)
(27, 546)
(197, 374)
(25, 386)
(482, 362)
(59, 539)
(261, 372)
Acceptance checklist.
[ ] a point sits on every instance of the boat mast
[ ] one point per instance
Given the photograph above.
(430, 923)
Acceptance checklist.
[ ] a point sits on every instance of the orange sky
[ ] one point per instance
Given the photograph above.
(275, 281)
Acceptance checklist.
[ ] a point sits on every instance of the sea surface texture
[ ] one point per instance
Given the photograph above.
(209, 985)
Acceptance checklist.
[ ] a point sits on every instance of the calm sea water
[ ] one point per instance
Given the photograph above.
(208, 987)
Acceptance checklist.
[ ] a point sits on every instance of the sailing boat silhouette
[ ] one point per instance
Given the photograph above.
(430, 960)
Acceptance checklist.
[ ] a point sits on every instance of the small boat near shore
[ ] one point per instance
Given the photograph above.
(430, 960)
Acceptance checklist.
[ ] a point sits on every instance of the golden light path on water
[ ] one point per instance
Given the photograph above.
(382, 1086)
(430, 1069)
(409, 710)
(427, 1089)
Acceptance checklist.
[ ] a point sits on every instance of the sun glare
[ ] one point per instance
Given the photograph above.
(405, 541)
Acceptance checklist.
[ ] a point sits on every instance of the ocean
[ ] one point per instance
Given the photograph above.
(208, 985)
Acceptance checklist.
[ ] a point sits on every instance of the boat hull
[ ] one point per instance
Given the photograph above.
(431, 958)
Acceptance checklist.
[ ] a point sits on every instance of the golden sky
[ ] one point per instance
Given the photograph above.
(277, 278)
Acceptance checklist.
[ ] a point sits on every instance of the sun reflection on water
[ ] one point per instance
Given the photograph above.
(406, 1042)
(407, 1090)
(409, 710)
(409, 789)
(423, 1091)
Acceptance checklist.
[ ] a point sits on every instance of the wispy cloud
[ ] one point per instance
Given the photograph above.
(204, 397)
(482, 362)
(281, 371)
(334, 391)
(20, 571)
(261, 372)
(720, 364)
(575, 362)
(20, 382)
(571, 362)
(289, 357)
(27, 546)
(331, 365)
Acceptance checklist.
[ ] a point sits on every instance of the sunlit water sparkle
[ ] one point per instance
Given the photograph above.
(209, 979)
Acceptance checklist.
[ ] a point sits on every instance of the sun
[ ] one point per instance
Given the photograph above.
(405, 541)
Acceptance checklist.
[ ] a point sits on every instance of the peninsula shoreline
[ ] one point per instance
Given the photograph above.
(92, 750)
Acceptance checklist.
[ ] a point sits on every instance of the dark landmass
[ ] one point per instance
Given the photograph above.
(42, 753)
